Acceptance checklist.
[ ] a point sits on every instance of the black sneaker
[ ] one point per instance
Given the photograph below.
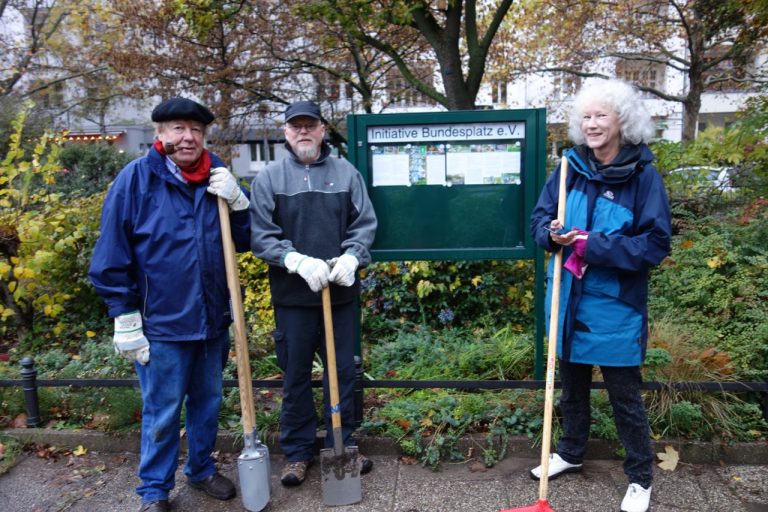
(366, 464)
(216, 486)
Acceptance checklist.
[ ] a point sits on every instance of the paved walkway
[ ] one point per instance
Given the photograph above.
(105, 482)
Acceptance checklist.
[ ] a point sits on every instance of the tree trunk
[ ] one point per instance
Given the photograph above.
(690, 119)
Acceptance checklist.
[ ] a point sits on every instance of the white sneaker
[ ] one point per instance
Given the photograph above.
(557, 467)
(637, 499)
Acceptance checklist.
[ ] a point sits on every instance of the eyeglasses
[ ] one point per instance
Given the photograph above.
(310, 127)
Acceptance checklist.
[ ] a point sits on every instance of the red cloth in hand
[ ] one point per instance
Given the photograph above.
(575, 262)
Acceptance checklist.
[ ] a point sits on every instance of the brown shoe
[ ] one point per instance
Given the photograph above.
(216, 486)
(295, 472)
(155, 506)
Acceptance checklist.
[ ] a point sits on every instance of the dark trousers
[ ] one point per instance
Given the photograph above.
(299, 335)
(623, 385)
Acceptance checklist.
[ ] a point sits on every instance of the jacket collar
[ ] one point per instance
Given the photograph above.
(631, 159)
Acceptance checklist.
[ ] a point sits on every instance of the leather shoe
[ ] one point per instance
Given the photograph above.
(366, 465)
(216, 486)
(155, 506)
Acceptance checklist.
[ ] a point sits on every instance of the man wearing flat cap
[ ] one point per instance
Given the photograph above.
(159, 266)
(308, 209)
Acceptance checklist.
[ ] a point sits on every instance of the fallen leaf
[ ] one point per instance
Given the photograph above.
(404, 424)
(80, 450)
(408, 460)
(19, 421)
(714, 262)
(477, 467)
(2, 450)
(669, 458)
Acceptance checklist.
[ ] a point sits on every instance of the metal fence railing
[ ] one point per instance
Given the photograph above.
(30, 384)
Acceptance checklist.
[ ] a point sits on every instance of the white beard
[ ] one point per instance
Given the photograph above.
(307, 153)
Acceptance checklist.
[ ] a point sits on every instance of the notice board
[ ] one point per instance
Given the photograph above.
(451, 185)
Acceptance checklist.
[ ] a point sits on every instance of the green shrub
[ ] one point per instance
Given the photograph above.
(438, 294)
(88, 168)
(12, 448)
(428, 424)
(715, 286)
(454, 354)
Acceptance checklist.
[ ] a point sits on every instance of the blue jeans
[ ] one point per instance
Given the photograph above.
(299, 335)
(179, 373)
(623, 385)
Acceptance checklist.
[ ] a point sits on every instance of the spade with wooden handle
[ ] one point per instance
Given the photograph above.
(340, 465)
(253, 466)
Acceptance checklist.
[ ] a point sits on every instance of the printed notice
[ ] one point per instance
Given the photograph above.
(446, 164)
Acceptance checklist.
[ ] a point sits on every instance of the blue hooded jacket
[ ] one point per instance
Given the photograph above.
(160, 252)
(623, 205)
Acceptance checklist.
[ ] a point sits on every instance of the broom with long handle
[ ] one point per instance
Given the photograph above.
(541, 505)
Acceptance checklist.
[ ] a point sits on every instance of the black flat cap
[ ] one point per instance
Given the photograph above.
(182, 109)
(303, 108)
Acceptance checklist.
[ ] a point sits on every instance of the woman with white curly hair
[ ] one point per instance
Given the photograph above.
(617, 226)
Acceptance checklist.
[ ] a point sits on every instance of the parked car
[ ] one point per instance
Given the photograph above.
(704, 177)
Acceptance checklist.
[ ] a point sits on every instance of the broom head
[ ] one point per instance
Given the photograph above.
(539, 506)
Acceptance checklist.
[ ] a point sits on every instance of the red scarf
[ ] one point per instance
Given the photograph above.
(196, 173)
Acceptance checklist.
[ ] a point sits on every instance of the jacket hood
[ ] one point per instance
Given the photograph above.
(631, 159)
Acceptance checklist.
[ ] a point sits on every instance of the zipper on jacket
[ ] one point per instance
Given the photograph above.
(146, 295)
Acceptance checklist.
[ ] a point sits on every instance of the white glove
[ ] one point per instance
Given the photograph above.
(223, 184)
(314, 271)
(343, 272)
(129, 339)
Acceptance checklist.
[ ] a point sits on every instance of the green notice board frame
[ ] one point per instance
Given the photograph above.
(456, 185)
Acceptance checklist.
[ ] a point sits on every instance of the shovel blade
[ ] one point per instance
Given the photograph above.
(253, 469)
(340, 476)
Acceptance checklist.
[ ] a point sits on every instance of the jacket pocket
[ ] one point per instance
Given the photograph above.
(280, 349)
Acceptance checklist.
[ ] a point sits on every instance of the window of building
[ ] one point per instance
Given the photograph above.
(566, 85)
(401, 93)
(498, 92)
(641, 73)
(256, 150)
(50, 97)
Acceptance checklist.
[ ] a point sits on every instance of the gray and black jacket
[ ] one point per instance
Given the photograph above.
(320, 210)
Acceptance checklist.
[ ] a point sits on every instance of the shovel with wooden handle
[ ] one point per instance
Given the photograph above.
(340, 465)
(253, 465)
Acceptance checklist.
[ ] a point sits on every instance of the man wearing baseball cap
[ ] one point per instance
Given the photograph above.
(159, 266)
(308, 209)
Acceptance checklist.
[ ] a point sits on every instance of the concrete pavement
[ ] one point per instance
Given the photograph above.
(104, 481)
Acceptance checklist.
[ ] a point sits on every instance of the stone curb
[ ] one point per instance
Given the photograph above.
(693, 452)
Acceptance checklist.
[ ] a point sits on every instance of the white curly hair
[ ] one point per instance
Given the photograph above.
(635, 123)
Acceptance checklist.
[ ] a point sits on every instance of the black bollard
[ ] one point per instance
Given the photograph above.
(358, 392)
(29, 379)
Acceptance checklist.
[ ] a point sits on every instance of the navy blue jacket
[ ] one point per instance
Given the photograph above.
(160, 252)
(604, 317)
